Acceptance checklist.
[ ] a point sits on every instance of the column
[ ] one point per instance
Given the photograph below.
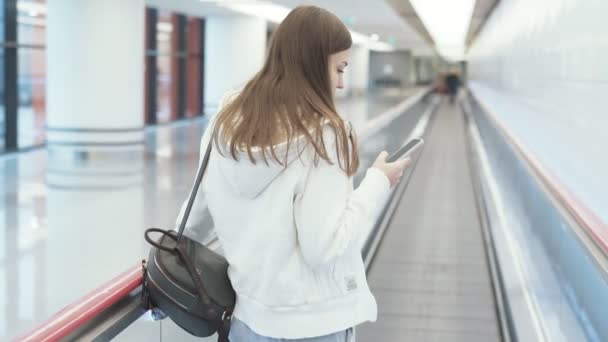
(235, 48)
(359, 70)
(95, 59)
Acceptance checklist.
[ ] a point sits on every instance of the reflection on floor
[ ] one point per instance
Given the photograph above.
(30, 126)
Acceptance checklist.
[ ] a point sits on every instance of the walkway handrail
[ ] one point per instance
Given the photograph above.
(76, 315)
(374, 125)
(585, 217)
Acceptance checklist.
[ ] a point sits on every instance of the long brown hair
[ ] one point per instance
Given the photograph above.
(291, 96)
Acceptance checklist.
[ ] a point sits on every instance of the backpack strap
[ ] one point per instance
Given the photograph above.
(194, 191)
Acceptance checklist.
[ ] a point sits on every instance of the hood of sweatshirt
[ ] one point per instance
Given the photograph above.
(250, 179)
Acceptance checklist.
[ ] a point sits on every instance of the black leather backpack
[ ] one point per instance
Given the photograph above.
(187, 280)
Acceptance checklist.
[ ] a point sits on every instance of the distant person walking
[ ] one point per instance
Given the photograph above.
(453, 83)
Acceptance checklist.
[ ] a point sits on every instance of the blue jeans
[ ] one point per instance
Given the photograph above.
(240, 332)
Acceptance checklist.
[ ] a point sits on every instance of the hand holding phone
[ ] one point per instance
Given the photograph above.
(394, 165)
(406, 150)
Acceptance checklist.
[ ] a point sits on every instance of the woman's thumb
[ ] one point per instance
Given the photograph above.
(382, 156)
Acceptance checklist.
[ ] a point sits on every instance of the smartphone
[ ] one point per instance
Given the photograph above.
(406, 150)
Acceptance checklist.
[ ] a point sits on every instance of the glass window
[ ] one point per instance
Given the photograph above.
(2, 21)
(32, 98)
(166, 63)
(164, 33)
(164, 89)
(2, 95)
(2, 109)
(31, 74)
(178, 80)
(193, 86)
(193, 68)
(31, 22)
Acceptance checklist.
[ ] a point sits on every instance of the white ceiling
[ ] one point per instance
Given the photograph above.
(483, 9)
(364, 16)
(481, 12)
(190, 7)
(368, 17)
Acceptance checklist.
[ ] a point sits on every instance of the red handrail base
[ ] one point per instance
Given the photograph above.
(77, 314)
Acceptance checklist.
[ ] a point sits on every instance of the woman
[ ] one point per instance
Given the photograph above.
(279, 190)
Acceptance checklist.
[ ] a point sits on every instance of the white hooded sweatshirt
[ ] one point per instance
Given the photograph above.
(293, 236)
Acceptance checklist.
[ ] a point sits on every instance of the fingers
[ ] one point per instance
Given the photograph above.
(403, 162)
(382, 156)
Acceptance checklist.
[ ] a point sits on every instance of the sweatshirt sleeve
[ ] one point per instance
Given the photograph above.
(329, 215)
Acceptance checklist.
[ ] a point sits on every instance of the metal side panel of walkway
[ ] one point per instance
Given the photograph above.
(430, 275)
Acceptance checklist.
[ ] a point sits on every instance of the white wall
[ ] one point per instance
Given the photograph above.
(401, 63)
(356, 77)
(543, 65)
(235, 48)
(359, 70)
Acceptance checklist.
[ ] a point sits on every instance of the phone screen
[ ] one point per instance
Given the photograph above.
(405, 150)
